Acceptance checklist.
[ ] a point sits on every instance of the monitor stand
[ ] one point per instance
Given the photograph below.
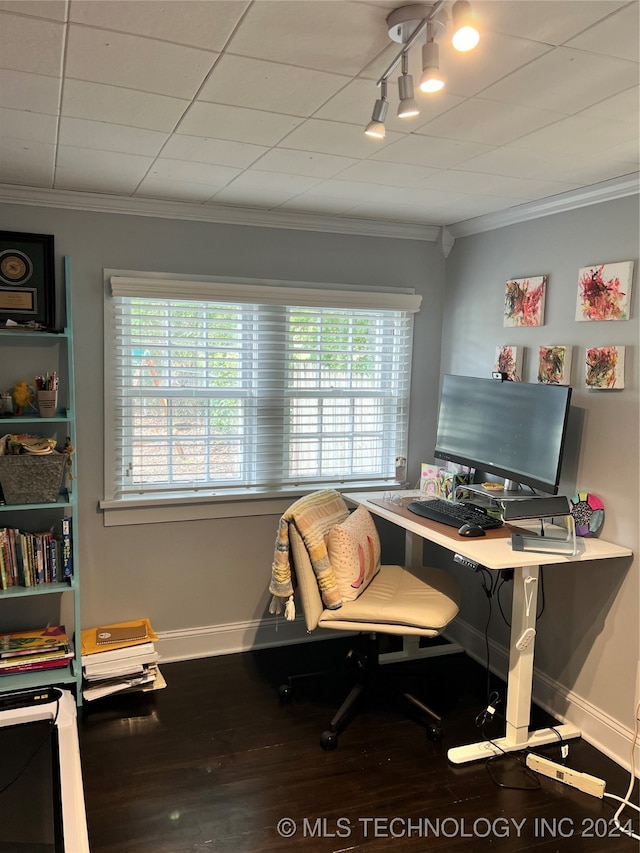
(61, 792)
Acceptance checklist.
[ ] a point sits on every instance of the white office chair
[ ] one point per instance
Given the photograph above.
(396, 600)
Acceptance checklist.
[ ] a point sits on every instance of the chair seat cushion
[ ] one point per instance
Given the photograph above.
(354, 553)
(400, 600)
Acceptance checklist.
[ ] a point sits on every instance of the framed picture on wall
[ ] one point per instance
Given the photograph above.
(554, 365)
(604, 291)
(524, 301)
(27, 278)
(605, 368)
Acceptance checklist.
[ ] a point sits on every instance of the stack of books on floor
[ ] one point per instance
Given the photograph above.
(28, 651)
(119, 658)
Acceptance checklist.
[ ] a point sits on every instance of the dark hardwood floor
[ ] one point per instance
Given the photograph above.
(216, 763)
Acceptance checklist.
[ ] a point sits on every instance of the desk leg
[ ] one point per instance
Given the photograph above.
(520, 680)
(411, 648)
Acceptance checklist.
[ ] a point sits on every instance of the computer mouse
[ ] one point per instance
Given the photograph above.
(472, 530)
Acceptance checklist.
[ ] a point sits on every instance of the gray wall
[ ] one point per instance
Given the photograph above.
(210, 573)
(588, 635)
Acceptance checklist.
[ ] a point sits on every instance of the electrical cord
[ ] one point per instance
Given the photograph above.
(625, 802)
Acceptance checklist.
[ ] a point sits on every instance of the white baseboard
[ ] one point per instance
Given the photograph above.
(598, 728)
(212, 640)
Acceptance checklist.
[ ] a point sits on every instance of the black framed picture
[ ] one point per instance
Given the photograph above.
(27, 278)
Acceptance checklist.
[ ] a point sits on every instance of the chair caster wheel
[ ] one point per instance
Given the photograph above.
(285, 692)
(434, 733)
(328, 740)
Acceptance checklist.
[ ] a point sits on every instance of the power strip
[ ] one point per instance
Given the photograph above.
(582, 781)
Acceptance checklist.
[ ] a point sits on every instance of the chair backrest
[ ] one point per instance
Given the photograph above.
(308, 592)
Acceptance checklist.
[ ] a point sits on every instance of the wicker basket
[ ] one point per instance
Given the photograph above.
(32, 479)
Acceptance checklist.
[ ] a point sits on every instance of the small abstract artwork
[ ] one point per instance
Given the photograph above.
(605, 368)
(588, 513)
(554, 365)
(509, 361)
(604, 291)
(524, 301)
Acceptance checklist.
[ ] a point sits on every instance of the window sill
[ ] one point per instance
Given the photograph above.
(184, 506)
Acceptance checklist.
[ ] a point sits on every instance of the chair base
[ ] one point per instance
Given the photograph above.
(370, 672)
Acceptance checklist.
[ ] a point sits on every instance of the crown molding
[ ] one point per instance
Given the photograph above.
(626, 185)
(222, 214)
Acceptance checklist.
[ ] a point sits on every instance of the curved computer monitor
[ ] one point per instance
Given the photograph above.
(514, 430)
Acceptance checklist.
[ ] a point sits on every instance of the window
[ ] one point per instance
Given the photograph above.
(232, 388)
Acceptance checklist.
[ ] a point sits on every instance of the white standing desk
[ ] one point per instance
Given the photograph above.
(494, 551)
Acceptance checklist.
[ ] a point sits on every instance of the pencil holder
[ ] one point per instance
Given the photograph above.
(47, 403)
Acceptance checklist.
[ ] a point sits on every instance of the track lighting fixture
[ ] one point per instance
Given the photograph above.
(375, 127)
(431, 80)
(465, 36)
(410, 25)
(407, 106)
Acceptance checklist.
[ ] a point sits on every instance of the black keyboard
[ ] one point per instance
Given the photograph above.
(454, 514)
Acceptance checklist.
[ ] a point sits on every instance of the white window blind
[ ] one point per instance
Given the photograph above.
(209, 392)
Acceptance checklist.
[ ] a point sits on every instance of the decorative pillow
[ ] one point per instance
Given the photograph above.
(354, 553)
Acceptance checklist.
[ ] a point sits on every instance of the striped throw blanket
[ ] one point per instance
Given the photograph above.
(314, 516)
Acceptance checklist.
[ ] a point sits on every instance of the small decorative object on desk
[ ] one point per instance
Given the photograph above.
(588, 513)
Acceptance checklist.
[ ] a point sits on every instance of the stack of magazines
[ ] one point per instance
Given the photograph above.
(27, 651)
(119, 658)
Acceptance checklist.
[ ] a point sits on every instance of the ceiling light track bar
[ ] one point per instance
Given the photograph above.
(413, 38)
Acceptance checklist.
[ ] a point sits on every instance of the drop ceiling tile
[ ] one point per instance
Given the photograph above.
(626, 152)
(565, 81)
(35, 92)
(477, 183)
(110, 137)
(251, 198)
(489, 122)
(430, 151)
(218, 121)
(622, 107)
(182, 170)
(616, 35)
(263, 182)
(134, 62)
(116, 105)
(31, 44)
(495, 57)
(516, 162)
(537, 20)
(391, 174)
(261, 85)
(579, 136)
(20, 124)
(200, 23)
(55, 10)
(308, 163)
(186, 191)
(90, 170)
(317, 205)
(334, 37)
(330, 137)
(220, 152)
(28, 163)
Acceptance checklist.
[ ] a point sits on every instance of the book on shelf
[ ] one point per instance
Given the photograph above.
(28, 559)
(66, 549)
(27, 651)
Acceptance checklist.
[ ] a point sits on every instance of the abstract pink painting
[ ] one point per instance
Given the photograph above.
(524, 301)
(509, 361)
(604, 291)
(554, 365)
(605, 368)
